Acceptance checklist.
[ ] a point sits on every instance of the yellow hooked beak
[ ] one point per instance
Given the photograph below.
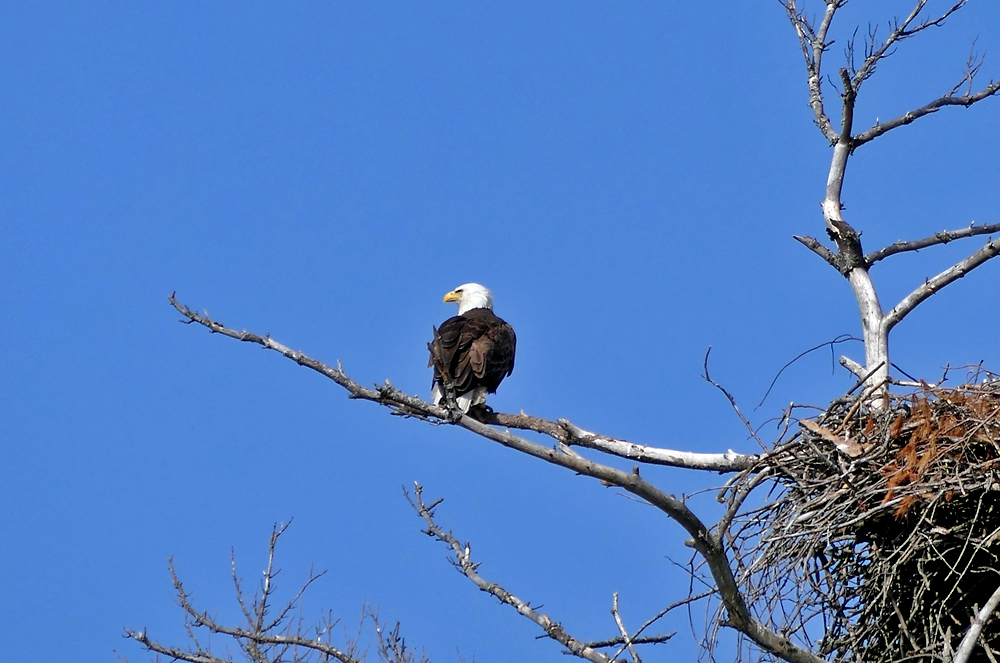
(452, 296)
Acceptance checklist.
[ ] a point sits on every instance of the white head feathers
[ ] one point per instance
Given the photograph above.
(469, 296)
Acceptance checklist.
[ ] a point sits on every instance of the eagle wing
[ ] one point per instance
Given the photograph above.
(492, 355)
(475, 349)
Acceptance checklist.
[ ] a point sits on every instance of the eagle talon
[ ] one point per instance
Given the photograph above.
(455, 413)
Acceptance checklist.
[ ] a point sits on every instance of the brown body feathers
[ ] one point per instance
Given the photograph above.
(474, 350)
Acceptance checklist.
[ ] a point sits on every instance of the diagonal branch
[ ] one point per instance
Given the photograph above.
(816, 247)
(174, 653)
(724, 462)
(942, 237)
(566, 432)
(932, 285)
(708, 546)
(463, 562)
(934, 106)
(562, 431)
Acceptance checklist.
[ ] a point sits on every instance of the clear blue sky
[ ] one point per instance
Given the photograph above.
(626, 177)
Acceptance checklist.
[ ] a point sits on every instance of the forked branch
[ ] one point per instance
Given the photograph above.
(903, 31)
(900, 31)
(813, 43)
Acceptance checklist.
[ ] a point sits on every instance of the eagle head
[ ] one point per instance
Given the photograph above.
(470, 296)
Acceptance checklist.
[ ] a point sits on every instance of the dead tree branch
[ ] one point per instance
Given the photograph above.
(562, 431)
(972, 635)
(390, 644)
(173, 652)
(729, 397)
(464, 564)
(260, 641)
(934, 284)
(899, 32)
(903, 31)
(813, 44)
(637, 637)
(849, 258)
(730, 461)
(816, 247)
(702, 540)
(621, 629)
(932, 107)
(942, 237)
(853, 367)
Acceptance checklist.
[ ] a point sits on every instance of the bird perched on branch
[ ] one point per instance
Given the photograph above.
(472, 352)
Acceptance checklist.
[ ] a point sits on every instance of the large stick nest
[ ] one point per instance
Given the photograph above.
(881, 539)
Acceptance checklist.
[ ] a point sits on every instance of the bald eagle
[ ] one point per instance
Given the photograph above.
(474, 349)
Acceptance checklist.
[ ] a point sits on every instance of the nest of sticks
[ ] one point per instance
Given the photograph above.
(881, 537)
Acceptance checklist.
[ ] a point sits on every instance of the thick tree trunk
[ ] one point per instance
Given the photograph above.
(852, 264)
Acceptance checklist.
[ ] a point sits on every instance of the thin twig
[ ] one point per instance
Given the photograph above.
(843, 338)
(622, 630)
(732, 401)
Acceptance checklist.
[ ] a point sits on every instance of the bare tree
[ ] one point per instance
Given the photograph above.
(848, 258)
(829, 479)
(273, 637)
